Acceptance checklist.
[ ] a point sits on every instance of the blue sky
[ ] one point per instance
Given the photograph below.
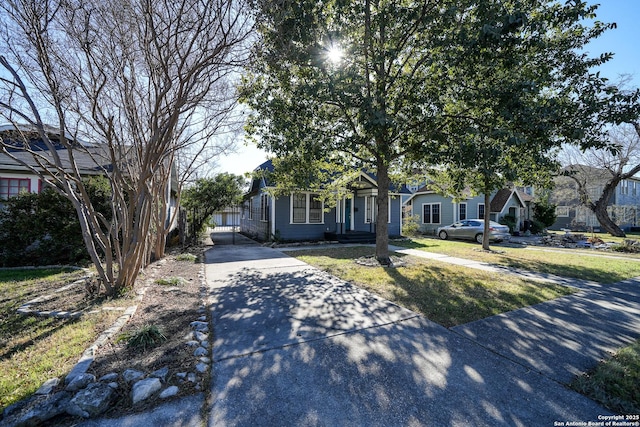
(624, 42)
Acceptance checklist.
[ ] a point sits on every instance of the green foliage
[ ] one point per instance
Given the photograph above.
(545, 212)
(536, 226)
(614, 383)
(43, 229)
(411, 226)
(187, 257)
(509, 221)
(208, 195)
(144, 337)
(170, 281)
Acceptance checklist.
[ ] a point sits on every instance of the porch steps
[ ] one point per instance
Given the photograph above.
(356, 237)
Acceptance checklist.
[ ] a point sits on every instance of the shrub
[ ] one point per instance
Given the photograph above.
(146, 336)
(187, 257)
(43, 229)
(170, 281)
(411, 226)
(545, 212)
(509, 221)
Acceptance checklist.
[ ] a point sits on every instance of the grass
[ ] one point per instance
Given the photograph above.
(35, 349)
(579, 264)
(447, 294)
(169, 281)
(187, 257)
(614, 383)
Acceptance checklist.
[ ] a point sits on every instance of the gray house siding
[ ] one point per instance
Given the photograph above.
(286, 230)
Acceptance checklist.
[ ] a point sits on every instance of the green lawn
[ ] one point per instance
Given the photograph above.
(615, 382)
(447, 294)
(579, 264)
(35, 349)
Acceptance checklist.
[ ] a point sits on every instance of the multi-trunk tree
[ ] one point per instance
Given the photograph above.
(130, 82)
(597, 173)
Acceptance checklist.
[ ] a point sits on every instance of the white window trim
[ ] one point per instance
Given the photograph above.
(264, 207)
(250, 216)
(564, 210)
(375, 210)
(307, 209)
(440, 211)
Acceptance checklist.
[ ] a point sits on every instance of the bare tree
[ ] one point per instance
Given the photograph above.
(597, 173)
(142, 81)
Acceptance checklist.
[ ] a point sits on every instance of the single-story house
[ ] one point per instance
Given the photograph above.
(300, 216)
(434, 210)
(91, 160)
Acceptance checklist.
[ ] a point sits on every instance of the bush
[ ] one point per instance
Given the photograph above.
(545, 212)
(411, 226)
(509, 221)
(536, 227)
(43, 229)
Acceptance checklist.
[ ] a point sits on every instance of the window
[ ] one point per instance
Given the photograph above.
(315, 210)
(306, 209)
(264, 207)
(10, 187)
(299, 203)
(462, 211)
(431, 213)
(624, 187)
(251, 208)
(481, 211)
(369, 209)
(562, 211)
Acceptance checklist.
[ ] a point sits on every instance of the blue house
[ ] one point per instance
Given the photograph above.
(434, 210)
(301, 216)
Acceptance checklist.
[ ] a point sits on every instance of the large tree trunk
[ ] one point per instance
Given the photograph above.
(487, 219)
(599, 208)
(382, 216)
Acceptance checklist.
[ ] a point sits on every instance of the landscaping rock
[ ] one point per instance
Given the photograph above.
(143, 389)
(92, 401)
(131, 375)
(169, 392)
(202, 367)
(80, 382)
(37, 410)
(161, 374)
(200, 351)
(48, 386)
(109, 377)
(201, 336)
(200, 326)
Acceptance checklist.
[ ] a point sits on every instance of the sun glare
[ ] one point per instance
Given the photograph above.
(334, 53)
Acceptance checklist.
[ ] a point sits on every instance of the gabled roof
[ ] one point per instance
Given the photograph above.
(266, 179)
(502, 197)
(90, 159)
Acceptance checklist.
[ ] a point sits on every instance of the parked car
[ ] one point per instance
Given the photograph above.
(473, 229)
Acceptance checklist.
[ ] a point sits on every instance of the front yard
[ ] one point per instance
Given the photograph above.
(447, 294)
(603, 267)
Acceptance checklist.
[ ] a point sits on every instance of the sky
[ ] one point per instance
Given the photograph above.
(624, 42)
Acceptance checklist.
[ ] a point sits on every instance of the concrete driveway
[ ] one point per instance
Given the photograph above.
(296, 347)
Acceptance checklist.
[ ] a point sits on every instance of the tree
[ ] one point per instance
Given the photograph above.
(209, 195)
(130, 83)
(596, 173)
(522, 89)
(344, 86)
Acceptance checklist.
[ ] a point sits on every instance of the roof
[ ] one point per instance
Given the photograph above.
(503, 196)
(90, 159)
(267, 179)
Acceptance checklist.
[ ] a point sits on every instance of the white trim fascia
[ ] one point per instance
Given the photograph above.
(273, 215)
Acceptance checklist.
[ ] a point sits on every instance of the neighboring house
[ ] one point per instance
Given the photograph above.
(300, 216)
(91, 160)
(623, 208)
(435, 210)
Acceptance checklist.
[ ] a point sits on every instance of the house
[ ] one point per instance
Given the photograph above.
(90, 159)
(623, 208)
(300, 216)
(434, 210)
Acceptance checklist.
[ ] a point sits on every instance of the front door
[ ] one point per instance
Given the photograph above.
(347, 214)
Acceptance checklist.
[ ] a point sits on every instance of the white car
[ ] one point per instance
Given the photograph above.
(473, 229)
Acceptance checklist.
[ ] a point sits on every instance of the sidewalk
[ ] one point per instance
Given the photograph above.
(295, 346)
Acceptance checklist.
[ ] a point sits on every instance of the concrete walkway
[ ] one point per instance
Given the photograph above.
(295, 346)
